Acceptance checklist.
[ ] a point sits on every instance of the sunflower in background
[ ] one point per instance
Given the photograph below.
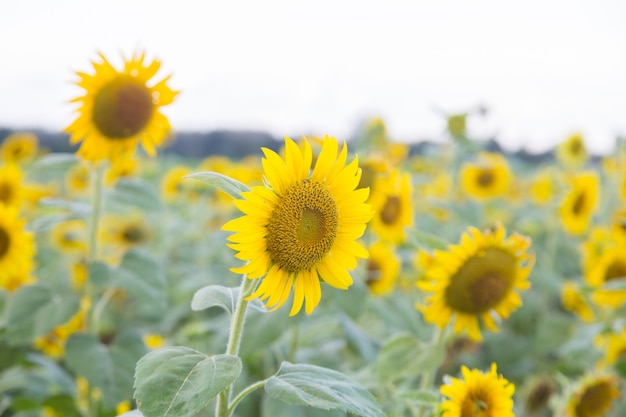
(579, 204)
(70, 237)
(52, 344)
(613, 345)
(572, 152)
(122, 168)
(19, 147)
(393, 208)
(488, 177)
(478, 394)
(606, 269)
(174, 187)
(301, 228)
(542, 188)
(574, 301)
(77, 180)
(125, 232)
(383, 268)
(17, 249)
(120, 109)
(11, 189)
(478, 278)
(593, 396)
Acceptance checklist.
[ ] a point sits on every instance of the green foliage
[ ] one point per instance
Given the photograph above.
(222, 182)
(134, 192)
(215, 296)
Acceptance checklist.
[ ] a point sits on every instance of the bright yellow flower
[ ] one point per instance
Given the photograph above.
(11, 189)
(580, 203)
(593, 397)
(477, 278)
(77, 180)
(542, 188)
(572, 151)
(53, 343)
(153, 341)
(119, 110)
(609, 268)
(173, 186)
(614, 347)
(302, 226)
(17, 247)
(122, 408)
(489, 177)
(393, 209)
(19, 147)
(575, 302)
(121, 168)
(478, 394)
(383, 267)
(373, 167)
(70, 237)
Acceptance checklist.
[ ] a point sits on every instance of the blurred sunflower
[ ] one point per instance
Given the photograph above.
(392, 204)
(574, 301)
(120, 109)
(121, 168)
(593, 396)
(580, 203)
(302, 226)
(478, 394)
(17, 246)
(383, 267)
(52, 344)
(477, 278)
(11, 282)
(373, 167)
(488, 177)
(69, 237)
(123, 233)
(173, 187)
(608, 269)
(19, 147)
(572, 151)
(11, 189)
(542, 188)
(614, 347)
(77, 180)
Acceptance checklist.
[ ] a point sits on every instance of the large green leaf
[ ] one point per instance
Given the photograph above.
(222, 182)
(215, 296)
(52, 164)
(323, 388)
(108, 367)
(34, 310)
(405, 356)
(135, 192)
(180, 381)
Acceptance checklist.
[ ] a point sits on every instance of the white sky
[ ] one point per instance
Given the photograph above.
(543, 68)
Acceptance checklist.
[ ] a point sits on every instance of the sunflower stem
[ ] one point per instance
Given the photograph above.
(234, 341)
(428, 378)
(293, 343)
(243, 394)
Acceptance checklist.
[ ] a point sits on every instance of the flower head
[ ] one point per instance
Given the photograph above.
(489, 177)
(580, 203)
(593, 397)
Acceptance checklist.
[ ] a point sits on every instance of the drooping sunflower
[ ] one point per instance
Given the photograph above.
(120, 109)
(594, 396)
(572, 151)
(478, 394)
(489, 176)
(302, 226)
(478, 278)
(17, 246)
(580, 203)
(11, 188)
(393, 208)
(19, 147)
(383, 267)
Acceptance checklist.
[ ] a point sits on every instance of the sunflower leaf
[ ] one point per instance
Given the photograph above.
(135, 192)
(426, 241)
(421, 397)
(222, 182)
(179, 381)
(52, 163)
(314, 386)
(215, 296)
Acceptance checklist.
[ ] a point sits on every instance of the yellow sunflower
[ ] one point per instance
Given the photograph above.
(173, 187)
(12, 282)
(478, 394)
(52, 344)
(17, 246)
(121, 168)
(77, 180)
(572, 151)
(542, 188)
(574, 301)
(383, 267)
(124, 233)
(488, 177)
(70, 237)
(302, 226)
(477, 278)
(580, 203)
(11, 190)
(593, 397)
(120, 109)
(609, 268)
(392, 204)
(19, 147)
(613, 346)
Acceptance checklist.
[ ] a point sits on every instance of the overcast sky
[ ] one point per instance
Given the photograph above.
(543, 68)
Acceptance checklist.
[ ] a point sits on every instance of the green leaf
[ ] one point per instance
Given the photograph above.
(222, 182)
(135, 192)
(421, 397)
(426, 241)
(43, 223)
(99, 274)
(108, 367)
(404, 356)
(323, 388)
(34, 310)
(77, 207)
(620, 367)
(180, 381)
(215, 296)
(63, 405)
(53, 162)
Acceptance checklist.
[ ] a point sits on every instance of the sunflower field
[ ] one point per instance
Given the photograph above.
(324, 277)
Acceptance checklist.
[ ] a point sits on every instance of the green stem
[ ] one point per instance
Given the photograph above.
(429, 376)
(234, 340)
(293, 344)
(243, 393)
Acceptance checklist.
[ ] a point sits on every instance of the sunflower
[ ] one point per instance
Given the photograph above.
(614, 347)
(391, 201)
(489, 177)
(572, 151)
(120, 109)
(608, 269)
(383, 267)
(52, 343)
(477, 278)
(302, 226)
(574, 301)
(69, 237)
(17, 246)
(19, 147)
(121, 168)
(478, 394)
(11, 192)
(580, 203)
(173, 187)
(593, 397)
(12, 282)
(77, 180)
(542, 188)
(124, 233)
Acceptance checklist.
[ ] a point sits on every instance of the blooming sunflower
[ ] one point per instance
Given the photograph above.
(477, 278)
(69, 237)
(383, 267)
(17, 246)
(19, 147)
(391, 201)
(11, 192)
(572, 151)
(120, 109)
(478, 394)
(77, 180)
(593, 397)
(574, 301)
(52, 343)
(580, 203)
(608, 268)
(489, 177)
(614, 347)
(125, 232)
(302, 226)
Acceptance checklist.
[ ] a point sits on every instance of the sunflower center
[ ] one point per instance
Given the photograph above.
(482, 281)
(5, 242)
(579, 203)
(374, 272)
(595, 401)
(485, 178)
(303, 227)
(6, 192)
(475, 406)
(616, 270)
(391, 210)
(122, 108)
(576, 147)
(133, 234)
